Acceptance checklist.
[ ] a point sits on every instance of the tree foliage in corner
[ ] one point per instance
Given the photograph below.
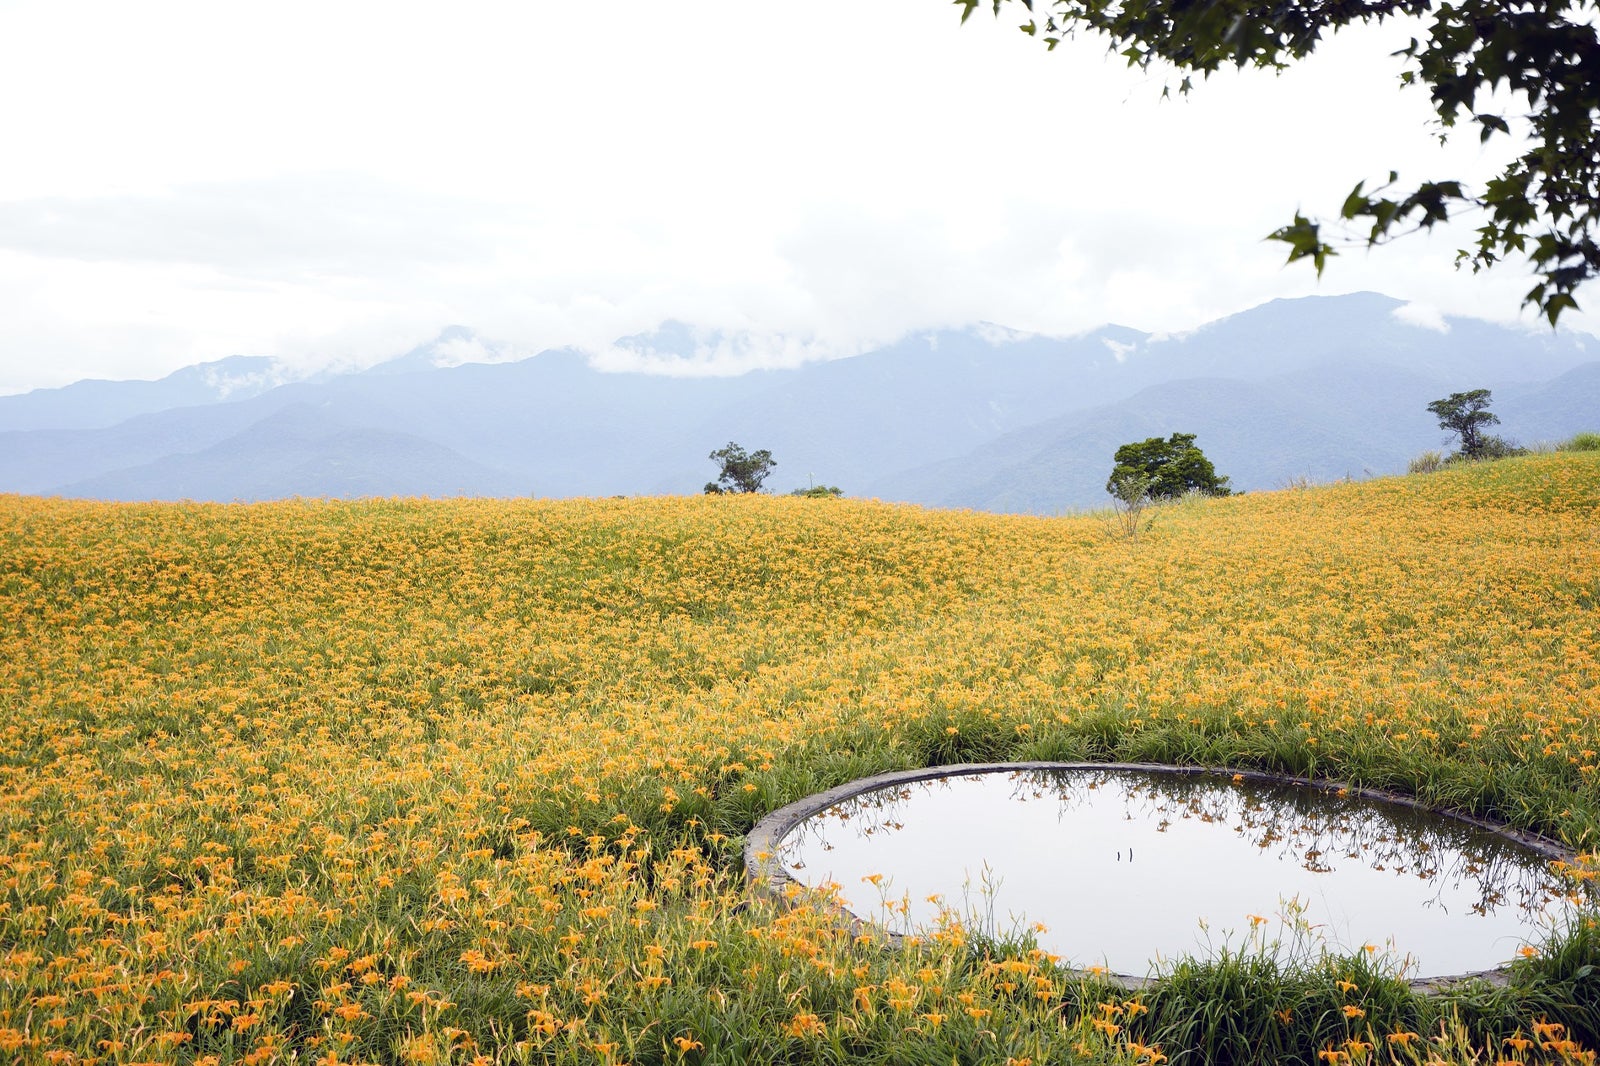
(1166, 468)
(741, 471)
(1546, 53)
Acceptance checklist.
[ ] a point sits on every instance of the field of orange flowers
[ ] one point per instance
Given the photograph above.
(458, 781)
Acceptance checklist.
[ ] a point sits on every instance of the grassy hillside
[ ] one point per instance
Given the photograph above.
(423, 781)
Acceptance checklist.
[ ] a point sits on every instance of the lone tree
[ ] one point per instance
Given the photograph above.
(1130, 494)
(1537, 57)
(1167, 469)
(1466, 414)
(741, 471)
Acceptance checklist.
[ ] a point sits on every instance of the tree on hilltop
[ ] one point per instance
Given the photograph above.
(1539, 57)
(741, 471)
(1165, 468)
(1466, 415)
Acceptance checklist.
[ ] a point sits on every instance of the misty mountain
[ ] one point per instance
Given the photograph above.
(979, 417)
(1331, 421)
(1289, 335)
(296, 447)
(1258, 434)
(94, 404)
(1553, 410)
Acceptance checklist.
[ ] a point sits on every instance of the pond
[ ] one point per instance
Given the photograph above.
(1126, 867)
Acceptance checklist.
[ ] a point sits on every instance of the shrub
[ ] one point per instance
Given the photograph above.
(1581, 442)
(1130, 495)
(1489, 449)
(1427, 463)
(1500, 448)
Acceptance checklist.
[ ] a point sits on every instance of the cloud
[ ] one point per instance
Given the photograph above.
(679, 350)
(1119, 350)
(456, 351)
(225, 382)
(1424, 315)
(300, 228)
(796, 186)
(997, 335)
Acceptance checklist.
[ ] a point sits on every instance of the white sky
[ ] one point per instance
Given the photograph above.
(337, 182)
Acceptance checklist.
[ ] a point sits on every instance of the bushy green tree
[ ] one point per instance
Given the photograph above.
(1169, 468)
(741, 471)
(1466, 414)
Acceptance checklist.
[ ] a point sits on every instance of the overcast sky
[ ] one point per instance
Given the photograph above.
(338, 182)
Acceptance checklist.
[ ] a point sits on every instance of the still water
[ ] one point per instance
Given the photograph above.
(1124, 868)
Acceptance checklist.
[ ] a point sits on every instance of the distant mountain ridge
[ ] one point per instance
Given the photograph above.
(299, 445)
(982, 417)
(96, 404)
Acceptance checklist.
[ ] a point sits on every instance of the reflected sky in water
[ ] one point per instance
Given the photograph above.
(1125, 867)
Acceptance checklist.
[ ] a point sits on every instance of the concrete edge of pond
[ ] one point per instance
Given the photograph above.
(767, 875)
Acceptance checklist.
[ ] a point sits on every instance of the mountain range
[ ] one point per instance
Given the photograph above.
(982, 418)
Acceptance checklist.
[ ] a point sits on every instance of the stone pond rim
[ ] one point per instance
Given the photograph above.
(766, 873)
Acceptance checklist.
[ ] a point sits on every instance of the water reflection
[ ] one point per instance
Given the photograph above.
(1124, 867)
